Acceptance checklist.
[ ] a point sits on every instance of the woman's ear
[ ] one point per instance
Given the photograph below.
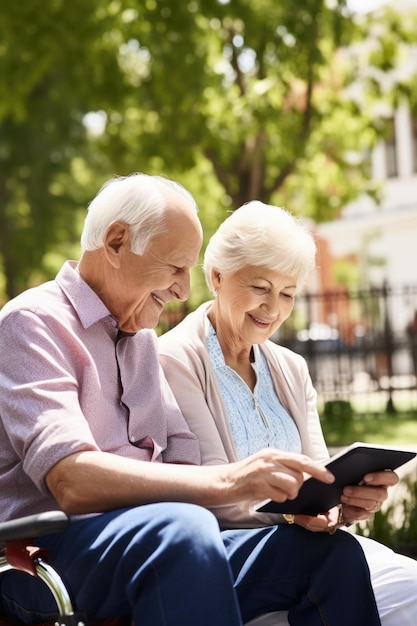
(215, 278)
(116, 240)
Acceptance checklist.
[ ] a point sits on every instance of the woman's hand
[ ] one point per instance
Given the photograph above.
(324, 522)
(361, 502)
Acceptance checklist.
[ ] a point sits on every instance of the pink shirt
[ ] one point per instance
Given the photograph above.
(67, 384)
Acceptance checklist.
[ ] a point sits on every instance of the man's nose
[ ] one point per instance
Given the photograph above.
(182, 287)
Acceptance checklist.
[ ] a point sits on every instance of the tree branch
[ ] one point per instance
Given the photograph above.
(234, 62)
(305, 128)
(221, 174)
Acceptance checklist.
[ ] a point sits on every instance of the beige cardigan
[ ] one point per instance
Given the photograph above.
(187, 366)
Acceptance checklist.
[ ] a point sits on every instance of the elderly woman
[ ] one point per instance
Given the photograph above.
(240, 392)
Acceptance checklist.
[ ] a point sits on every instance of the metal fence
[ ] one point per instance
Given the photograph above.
(361, 347)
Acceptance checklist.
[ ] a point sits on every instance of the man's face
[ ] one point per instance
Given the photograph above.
(140, 286)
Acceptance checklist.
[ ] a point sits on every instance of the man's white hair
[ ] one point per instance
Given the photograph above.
(261, 235)
(139, 200)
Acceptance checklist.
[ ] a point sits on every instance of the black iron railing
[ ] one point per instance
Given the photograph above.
(361, 347)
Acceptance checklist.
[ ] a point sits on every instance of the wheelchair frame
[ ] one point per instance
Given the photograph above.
(17, 553)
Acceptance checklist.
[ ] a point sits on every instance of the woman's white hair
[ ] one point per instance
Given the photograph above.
(139, 200)
(261, 235)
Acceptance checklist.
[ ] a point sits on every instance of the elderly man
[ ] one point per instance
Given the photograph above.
(89, 425)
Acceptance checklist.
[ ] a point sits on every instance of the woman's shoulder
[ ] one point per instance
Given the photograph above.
(284, 356)
(186, 336)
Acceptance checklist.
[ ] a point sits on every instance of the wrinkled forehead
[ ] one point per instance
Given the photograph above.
(182, 211)
(181, 238)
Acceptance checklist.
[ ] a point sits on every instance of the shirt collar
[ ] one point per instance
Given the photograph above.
(215, 351)
(89, 307)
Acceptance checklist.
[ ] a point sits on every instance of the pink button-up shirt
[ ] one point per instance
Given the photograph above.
(69, 382)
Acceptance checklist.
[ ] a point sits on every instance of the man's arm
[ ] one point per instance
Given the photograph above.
(91, 481)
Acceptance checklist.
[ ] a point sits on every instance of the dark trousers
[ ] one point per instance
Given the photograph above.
(321, 579)
(169, 564)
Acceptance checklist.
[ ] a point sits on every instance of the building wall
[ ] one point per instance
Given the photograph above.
(386, 233)
(383, 238)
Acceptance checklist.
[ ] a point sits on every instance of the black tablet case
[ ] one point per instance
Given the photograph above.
(349, 468)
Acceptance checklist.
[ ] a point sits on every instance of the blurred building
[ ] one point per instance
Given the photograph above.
(382, 238)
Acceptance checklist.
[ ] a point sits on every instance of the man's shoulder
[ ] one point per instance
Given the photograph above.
(34, 299)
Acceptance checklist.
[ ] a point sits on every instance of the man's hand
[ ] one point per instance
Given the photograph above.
(271, 473)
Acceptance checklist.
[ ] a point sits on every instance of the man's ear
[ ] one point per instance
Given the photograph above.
(116, 240)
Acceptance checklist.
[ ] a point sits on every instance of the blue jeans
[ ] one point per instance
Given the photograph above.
(168, 564)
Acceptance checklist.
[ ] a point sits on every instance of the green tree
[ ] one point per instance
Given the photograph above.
(247, 85)
(236, 99)
(259, 90)
(56, 65)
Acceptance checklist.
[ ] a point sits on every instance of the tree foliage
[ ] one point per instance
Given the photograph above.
(52, 59)
(247, 85)
(236, 99)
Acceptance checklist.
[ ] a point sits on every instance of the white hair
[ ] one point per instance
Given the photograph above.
(261, 235)
(139, 200)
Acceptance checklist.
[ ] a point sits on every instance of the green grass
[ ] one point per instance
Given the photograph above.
(394, 429)
(396, 524)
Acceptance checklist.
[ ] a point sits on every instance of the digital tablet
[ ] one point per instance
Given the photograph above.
(349, 467)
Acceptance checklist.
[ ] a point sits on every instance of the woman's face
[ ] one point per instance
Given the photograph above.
(253, 302)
